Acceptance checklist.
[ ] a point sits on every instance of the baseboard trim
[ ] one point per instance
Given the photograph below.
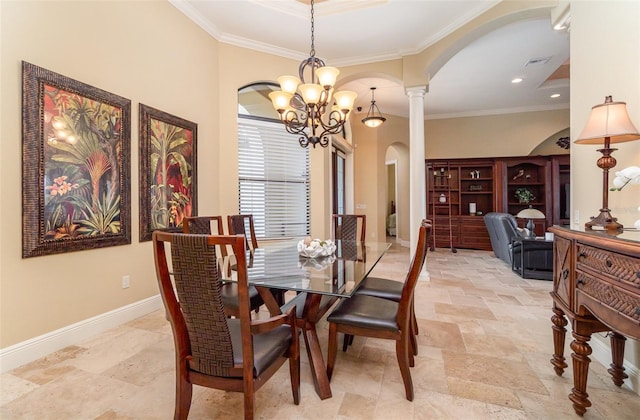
(27, 351)
(602, 353)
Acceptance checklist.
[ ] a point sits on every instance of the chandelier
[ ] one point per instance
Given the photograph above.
(373, 119)
(312, 110)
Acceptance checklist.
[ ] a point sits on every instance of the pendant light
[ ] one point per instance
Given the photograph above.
(374, 118)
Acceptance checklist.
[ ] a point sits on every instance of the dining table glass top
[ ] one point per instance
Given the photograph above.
(278, 265)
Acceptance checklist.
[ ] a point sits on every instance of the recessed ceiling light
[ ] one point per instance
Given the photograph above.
(555, 95)
(517, 80)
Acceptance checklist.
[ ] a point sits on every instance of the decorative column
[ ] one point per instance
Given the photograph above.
(417, 180)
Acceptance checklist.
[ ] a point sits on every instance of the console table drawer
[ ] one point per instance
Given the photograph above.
(615, 300)
(618, 266)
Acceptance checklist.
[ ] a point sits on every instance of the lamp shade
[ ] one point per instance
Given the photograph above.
(289, 84)
(609, 119)
(280, 99)
(345, 99)
(327, 76)
(310, 93)
(530, 213)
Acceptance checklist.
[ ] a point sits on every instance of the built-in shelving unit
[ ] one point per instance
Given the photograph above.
(461, 191)
(533, 175)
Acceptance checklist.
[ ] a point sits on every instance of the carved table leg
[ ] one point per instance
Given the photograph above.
(581, 361)
(617, 356)
(559, 332)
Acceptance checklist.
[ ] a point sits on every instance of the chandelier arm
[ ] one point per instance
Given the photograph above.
(337, 119)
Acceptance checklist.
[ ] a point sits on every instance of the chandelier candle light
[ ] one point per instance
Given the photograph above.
(608, 122)
(312, 110)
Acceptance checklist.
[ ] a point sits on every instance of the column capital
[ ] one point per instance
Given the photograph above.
(416, 91)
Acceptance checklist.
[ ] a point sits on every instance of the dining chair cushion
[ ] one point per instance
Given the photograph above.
(267, 347)
(229, 294)
(380, 287)
(367, 312)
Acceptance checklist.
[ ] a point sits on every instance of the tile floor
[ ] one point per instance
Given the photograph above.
(485, 344)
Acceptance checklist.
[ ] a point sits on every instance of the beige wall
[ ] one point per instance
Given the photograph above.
(370, 172)
(147, 52)
(494, 135)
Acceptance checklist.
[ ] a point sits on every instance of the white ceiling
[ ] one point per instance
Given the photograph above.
(475, 81)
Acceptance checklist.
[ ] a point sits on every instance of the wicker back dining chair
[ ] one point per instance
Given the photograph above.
(242, 224)
(350, 230)
(203, 225)
(229, 291)
(350, 227)
(376, 317)
(212, 350)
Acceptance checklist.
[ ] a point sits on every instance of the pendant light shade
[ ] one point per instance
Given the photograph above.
(374, 117)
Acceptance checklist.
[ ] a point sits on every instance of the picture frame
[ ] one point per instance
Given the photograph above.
(76, 145)
(168, 171)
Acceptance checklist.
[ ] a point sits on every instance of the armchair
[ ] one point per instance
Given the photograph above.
(502, 227)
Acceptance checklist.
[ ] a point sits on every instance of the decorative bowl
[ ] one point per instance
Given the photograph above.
(316, 248)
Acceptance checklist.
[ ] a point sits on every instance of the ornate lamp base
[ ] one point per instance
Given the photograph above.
(604, 219)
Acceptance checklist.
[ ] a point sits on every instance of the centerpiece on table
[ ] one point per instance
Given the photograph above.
(316, 248)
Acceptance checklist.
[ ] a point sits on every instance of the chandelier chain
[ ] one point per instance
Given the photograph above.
(312, 53)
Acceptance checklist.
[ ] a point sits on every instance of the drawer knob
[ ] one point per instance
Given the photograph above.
(582, 255)
(608, 263)
(565, 274)
(638, 274)
(638, 310)
(580, 282)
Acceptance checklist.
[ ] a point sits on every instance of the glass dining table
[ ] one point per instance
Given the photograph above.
(320, 282)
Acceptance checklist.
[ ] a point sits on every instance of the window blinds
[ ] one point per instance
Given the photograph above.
(273, 175)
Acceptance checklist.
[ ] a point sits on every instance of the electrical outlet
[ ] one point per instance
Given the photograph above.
(126, 281)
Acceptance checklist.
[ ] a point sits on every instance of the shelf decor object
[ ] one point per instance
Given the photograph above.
(530, 213)
(310, 105)
(608, 123)
(524, 195)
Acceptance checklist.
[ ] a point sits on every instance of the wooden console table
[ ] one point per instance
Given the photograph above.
(596, 284)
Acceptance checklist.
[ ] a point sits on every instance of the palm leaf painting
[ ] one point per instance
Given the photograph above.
(167, 165)
(75, 165)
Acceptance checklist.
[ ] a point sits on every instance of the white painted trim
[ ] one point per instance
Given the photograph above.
(602, 353)
(27, 351)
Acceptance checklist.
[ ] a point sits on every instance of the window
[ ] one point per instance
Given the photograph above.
(273, 170)
(338, 160)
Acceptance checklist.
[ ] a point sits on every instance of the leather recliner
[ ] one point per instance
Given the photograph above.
(502, 227)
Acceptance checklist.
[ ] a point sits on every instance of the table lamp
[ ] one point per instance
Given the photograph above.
(608, 123)
(530, 213)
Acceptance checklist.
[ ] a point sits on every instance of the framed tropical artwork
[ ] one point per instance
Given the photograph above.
(168, 188)
(76, 142)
